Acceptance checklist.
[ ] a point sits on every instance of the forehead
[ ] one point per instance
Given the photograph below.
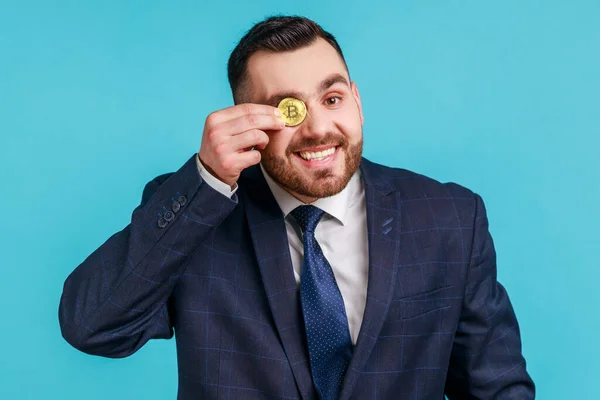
(300, 70)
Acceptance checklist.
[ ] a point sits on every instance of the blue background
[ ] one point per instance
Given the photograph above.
(97, 98)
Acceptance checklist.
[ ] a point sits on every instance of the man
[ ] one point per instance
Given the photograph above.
(290, 267)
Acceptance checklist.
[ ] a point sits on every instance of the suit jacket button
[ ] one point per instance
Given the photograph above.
(169, 216)
(182, 200)
(175, 206)
(162, 223)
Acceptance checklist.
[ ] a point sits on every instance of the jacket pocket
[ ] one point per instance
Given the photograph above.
(425, 303)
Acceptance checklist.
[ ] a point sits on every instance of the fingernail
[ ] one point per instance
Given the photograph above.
(277, 113)
(282, 124)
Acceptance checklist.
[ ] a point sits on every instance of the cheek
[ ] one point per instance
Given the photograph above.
(278, 141)
(351, 126)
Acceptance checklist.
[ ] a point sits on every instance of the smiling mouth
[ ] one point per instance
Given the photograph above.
(316, 155)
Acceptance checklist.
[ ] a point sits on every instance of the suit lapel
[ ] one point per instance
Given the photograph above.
(269, 237)
(383, 224)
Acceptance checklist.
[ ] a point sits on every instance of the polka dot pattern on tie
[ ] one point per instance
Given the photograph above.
(325, 321)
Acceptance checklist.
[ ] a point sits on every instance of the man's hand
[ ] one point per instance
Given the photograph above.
(229, 136)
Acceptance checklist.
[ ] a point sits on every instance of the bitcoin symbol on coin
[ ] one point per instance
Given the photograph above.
(293, 111)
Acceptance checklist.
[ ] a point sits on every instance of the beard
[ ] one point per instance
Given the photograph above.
(318, 184)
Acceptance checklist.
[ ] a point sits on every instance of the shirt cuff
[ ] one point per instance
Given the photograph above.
(213, 182)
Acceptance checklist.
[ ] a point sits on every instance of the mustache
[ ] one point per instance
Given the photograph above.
(304, 143)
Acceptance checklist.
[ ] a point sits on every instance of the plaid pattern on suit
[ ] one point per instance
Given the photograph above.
(218, 273)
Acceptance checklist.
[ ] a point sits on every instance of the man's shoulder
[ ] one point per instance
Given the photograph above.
(412, 185)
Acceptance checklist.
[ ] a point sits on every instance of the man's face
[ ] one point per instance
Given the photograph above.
(294, 157)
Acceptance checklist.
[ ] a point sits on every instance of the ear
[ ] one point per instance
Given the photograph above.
(358, 102)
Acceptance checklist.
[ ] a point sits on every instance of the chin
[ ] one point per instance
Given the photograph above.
(314, 180)
(324, 188)
(319, 183)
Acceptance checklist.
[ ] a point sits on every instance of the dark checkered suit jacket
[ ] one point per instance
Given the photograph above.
(218, 273)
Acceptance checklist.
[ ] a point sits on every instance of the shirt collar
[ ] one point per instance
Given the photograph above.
(337, 205)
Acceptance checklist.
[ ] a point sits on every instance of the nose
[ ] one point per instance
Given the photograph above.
(317, 124)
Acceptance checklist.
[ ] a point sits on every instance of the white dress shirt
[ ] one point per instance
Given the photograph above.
(341, 233)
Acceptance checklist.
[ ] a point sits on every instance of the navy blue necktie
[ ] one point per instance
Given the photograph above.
(325, 321)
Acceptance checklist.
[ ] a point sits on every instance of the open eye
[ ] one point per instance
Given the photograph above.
(333, 100)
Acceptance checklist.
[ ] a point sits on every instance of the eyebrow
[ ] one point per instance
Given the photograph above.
(332, 80)
(323, 86)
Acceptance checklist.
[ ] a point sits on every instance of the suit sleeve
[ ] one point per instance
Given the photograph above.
(486, 360)
(214, 182)
(118, 298)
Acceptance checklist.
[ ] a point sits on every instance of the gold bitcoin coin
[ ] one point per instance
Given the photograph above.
(293, 111)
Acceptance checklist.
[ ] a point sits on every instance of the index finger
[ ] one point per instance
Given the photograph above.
(240, 110)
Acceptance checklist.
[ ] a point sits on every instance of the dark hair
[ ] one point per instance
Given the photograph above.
(274, 34)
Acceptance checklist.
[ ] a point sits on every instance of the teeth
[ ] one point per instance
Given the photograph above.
(318, 155)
